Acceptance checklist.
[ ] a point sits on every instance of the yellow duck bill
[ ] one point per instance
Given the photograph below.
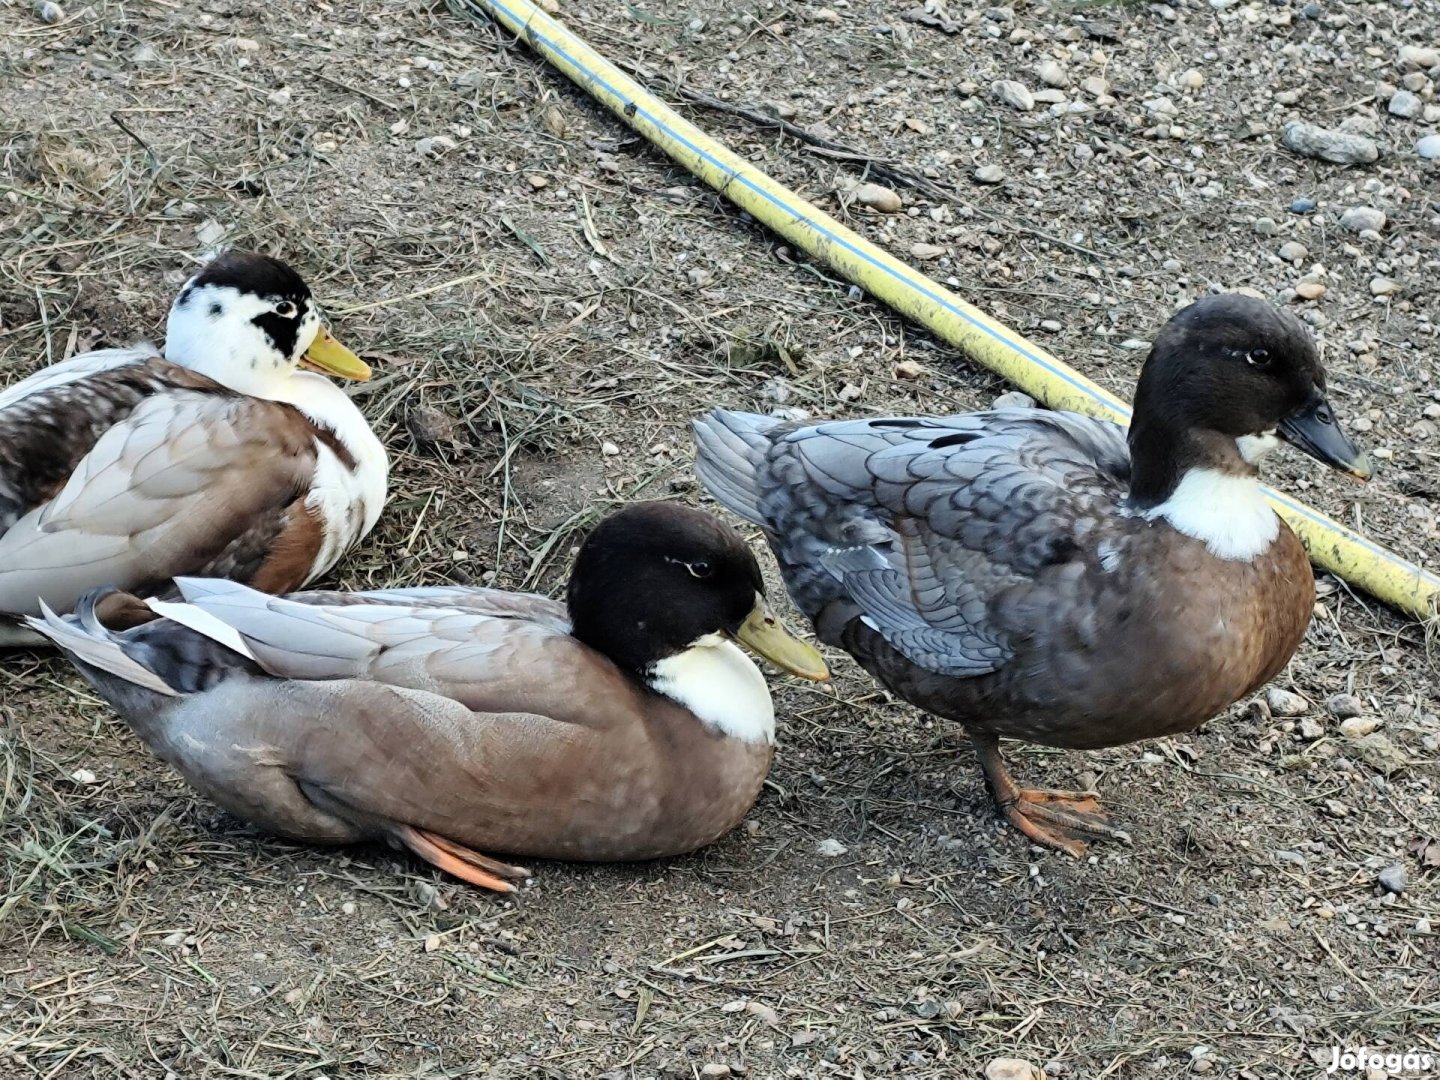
(329, 357)
(763, 634)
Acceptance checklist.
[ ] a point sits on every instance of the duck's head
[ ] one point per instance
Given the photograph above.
(656, 580)
(1229, 378)
(246, 320)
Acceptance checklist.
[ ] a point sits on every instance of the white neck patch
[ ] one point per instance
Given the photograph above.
(717, 682)
(1254, 447)
(1228, 513)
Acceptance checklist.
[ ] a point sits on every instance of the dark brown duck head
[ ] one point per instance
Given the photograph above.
(656, 580)
(1227, 380)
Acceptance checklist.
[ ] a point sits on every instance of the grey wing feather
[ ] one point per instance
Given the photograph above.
(954, 512)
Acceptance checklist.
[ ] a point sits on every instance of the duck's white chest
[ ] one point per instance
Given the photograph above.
(717, 682)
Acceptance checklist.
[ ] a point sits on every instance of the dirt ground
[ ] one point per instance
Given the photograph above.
(547, 301)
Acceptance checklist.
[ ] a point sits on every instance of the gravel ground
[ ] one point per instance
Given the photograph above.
(547, 301)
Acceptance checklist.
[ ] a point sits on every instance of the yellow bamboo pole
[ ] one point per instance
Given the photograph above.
(1334, 547)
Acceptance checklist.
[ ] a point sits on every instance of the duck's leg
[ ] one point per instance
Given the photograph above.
(1063, 820)
(461, 861)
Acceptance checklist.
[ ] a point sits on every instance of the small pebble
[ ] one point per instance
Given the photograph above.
(1394, 879)
(1383, 286)
(1293, 251)
(715, 1068)
(1344, 706)
(537, 181)
(609, 449)
(1429, 147)
(83, 776)
(990, 174)
(1357, 727)
(877, 197)
(1310, 728)
(1014, 94)
(1418, 58)
(1310, 290)
(1285, 703)
(49, 12)
(908, 369)
(1052, 74)
(434, 145)
(1363, 219)
(347, 908)
(1405, 105)
(830, 848)
(1265, 226)
(1191, 79)
(1302, 206)
(1050, 326)
(1014, 399)
(1329, 144)
(1012, 1069)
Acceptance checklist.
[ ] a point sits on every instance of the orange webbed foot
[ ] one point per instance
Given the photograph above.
(460, 861)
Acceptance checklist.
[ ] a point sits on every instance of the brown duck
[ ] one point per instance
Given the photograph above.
(451, 720)
(1033, 575)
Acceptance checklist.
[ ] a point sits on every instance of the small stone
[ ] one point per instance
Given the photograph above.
(715, 1068)
(1394, 879)
(1265, 226)
(1050, 326)
(1405, 105)
(280, 98)
(1343, 706)
(990, 174)
(83, 776)
(49, 12)
(1191, 79)
(173, 941)
(347, 908)
(830, 848)
(1013, 399)
(1357, 727)
(909, 369)
(435, 145)
(1285, 703)
(1013, 1069)
(1418, 58)
(609, 449)
(1310, 290)
(430, 427)
(1310, 728)
(1336, 808)
(849, 392)
(431, 942)
(209, 233)
(1096, 86)
(1363, 219)
(1383, 286)
(1380, 753)
(537, 181)
(1014, 94)
(1428, 147)
(1052, 74)
(1302, 206)
(1328, 144)
(877, 197)
(1312, 10)
(926, 251)
(1293, 251)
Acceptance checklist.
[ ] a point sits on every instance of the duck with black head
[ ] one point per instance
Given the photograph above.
(1036, 575)
(221, 457)
(624, 724)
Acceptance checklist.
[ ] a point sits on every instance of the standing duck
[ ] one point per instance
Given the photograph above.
(451, 719)
(1032, 575)
(125, 467)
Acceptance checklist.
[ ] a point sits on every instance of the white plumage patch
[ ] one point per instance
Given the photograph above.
(1228, 513)
(1254, 447)
(717, 682)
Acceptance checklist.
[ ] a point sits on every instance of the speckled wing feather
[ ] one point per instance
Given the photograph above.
(920, 526)
(155, 484)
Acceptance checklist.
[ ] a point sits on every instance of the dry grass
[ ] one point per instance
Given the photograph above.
(518, 327)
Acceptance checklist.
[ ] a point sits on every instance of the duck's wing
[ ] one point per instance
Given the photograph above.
(922, 526)
(480, 647)
(184, 481)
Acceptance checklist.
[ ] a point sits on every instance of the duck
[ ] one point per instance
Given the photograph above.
(624, 724)
(1049, 577)
(219, 457)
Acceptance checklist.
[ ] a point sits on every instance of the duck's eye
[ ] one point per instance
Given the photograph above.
(700, 568)
(285, 309)
(1258, 358)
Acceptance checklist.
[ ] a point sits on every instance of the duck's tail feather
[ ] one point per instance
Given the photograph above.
(730, 447)
(95, 649)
